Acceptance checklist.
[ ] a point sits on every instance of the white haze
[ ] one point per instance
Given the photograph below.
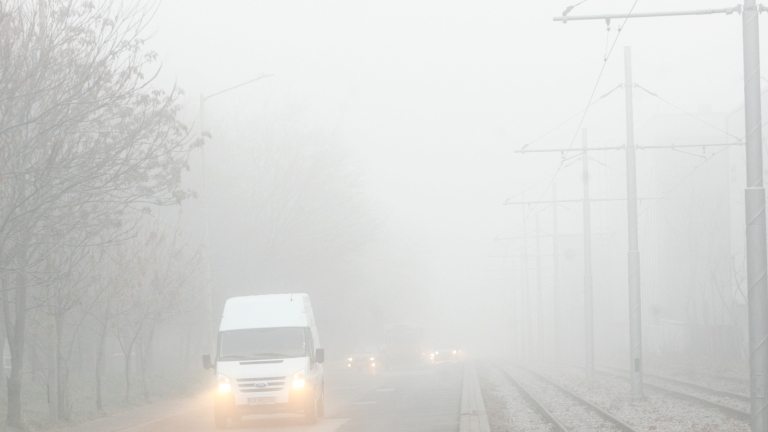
(431, 99)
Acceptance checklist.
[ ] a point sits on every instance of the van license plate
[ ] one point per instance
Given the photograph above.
(261, 401)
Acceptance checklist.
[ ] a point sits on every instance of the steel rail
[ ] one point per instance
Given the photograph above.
(705, 389)
(732, 379)
(737, 380)
(733, 412)
(596, 409)
(535, 403)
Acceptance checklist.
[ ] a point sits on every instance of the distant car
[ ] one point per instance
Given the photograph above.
(362, 361)
(445, 355)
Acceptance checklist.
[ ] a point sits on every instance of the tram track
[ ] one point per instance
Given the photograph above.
(726, 409)
(541, 406)
(684, 383)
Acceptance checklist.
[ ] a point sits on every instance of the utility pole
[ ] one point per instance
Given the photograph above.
(539, 294)
(556, 275)
(635, 323)
(209, 343)
(525, 299)
(589, 341)
(556, 264)
(757, 261)
(208, 321)
(555, 235)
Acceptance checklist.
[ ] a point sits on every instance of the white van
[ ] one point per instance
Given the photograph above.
(268, 358)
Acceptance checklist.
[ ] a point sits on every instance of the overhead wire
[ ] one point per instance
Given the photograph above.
(591, 96)
(571, 117)
(739, 139)
(571, 7)
(602, 69)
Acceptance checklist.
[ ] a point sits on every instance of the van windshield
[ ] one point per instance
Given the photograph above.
(263, 343)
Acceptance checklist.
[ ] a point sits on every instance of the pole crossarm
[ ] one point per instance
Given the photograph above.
(726, 11)
(672, 146)
(509, 239)
(575, 200)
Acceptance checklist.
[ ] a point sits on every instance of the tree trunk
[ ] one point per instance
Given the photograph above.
(16, 338)
(53, 376)
(128, 373)
(187, 346)
(100, 359)
(3, 337)
(146, 359)
(143, 365)
(62, 369)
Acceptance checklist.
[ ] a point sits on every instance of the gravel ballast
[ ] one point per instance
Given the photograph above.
(507, 410)
(655, 412)
(571, 413)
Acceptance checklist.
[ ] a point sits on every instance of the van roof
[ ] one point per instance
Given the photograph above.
(264, 311)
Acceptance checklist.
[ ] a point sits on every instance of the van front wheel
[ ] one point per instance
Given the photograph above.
(321, 407)
(310, 411)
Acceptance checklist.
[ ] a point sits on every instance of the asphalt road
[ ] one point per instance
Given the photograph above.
(424, 398)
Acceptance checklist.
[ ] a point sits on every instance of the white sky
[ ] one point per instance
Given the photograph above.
(434, 96)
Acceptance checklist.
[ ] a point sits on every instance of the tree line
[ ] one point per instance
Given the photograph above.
(90, 149)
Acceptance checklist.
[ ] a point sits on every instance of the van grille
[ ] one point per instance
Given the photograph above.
(258, 385)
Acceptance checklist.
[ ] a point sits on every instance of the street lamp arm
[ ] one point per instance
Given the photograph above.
(262, 76)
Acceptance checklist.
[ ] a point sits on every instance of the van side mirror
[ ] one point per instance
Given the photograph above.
(207, 361)
(320, 355)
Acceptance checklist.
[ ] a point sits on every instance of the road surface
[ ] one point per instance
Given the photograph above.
(425, 398)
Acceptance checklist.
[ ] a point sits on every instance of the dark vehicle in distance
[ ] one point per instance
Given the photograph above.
(362, 361)
(446, 355)
(403, 344)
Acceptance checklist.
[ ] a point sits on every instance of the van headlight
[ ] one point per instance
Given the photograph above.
(298, 380)
(225, 386)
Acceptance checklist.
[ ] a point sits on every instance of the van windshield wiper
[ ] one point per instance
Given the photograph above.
(273, 355)
(235, 357)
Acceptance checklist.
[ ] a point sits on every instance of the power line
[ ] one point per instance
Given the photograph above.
(570, 118)
(600, 75)
(739, 139)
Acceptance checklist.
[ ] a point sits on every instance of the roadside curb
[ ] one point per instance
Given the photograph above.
(473, 416)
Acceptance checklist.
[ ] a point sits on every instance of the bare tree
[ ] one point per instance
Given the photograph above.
(85, 140)
(163, 278)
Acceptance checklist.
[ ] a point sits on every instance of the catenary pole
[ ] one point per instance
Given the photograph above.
(757, 264)
(555, 276)
(589, 341)
(635, 324)
(526, 333)
(539, 294)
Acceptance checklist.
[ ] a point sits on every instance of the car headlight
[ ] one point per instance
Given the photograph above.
(372, 359)
(349, 359)
(224, 384)
(298, 380)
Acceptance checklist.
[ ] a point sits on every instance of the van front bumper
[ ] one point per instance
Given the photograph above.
(230, 405)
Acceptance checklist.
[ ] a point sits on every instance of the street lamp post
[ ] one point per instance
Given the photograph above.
(209, 339)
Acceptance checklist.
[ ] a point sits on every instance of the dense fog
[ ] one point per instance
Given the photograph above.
(400, 162)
